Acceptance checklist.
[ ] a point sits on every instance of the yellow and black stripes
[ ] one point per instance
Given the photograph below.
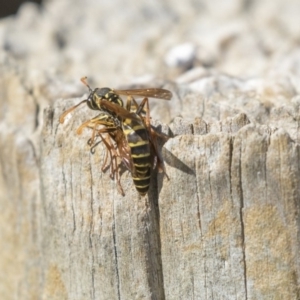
(138, 142)
(142, 183)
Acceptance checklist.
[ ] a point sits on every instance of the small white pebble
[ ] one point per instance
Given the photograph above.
(181, 55)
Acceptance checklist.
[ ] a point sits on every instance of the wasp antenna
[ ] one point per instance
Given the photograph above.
(84, 81)
(62, 116)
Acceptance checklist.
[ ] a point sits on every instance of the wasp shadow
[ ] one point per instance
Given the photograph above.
(175, 162)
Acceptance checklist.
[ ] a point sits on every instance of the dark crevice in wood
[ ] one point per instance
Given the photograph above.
(73, 211)
(198, 200)
(242, 223)
(36, 116)
(154, 197)
(192, 129)
(90, 237)
(116, 256)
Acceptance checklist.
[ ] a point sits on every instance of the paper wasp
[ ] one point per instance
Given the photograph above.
(129, 128)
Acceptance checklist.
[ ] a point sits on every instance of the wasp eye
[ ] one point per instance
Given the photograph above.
(91, 104)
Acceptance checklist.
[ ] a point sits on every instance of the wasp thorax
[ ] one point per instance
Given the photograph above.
(109, 95)
(103, 92)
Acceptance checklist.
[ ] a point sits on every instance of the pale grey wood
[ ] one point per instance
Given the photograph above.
(20, 201)
(229, 228)
(201, 232)
(110, 244)
(225, 226)
(269, 189)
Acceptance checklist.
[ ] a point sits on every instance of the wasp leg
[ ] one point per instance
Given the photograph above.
(107, 152)
(93, 146)
(112, 152)
(101, 120)
(131, 104)
(128, 103)
(142, 110)
(93, 124)
(107, 142)
(113, 162)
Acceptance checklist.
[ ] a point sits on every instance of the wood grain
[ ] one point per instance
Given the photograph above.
(225, 226)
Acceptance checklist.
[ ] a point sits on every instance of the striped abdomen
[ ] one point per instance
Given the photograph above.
(138, 141)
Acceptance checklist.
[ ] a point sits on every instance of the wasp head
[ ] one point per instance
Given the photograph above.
(99, 94)
(96, 96)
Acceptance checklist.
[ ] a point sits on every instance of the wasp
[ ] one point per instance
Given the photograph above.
(129, 127)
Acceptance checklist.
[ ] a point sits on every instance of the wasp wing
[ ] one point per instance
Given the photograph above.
(119, 110)
(151, 93)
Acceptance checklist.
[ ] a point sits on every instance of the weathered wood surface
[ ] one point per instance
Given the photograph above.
(228, 228)
(226, 225)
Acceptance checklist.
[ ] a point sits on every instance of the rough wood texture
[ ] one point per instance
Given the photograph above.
(230, 229)
(108, 243)
(226, 225)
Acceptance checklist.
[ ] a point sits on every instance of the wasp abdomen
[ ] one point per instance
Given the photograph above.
(138, 141)
(142, 183)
